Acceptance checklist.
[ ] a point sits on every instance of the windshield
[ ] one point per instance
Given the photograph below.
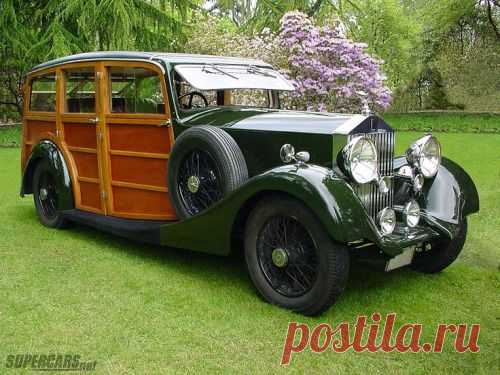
(227, 77)
(190, 98)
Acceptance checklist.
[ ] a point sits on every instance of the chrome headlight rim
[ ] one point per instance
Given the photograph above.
(411, 213)
(417, 157)
(349, 160)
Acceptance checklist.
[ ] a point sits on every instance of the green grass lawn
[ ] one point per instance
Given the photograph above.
(148, 310)
(10, 136)
(445, 121)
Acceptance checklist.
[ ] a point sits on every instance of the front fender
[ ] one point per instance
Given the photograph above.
(329, 197)
(450, 195)
(48, 151)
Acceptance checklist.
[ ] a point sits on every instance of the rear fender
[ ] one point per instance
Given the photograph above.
(48, 151)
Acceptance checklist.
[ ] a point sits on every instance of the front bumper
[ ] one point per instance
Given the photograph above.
(403, 237)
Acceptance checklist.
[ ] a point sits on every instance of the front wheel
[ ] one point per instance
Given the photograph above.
(440, 254)
(291, 260)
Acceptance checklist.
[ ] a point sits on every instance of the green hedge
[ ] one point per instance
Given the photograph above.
(10, 135)
(445, 121)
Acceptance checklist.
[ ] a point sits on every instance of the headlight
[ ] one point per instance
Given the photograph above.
(360, 160)
(425, 154)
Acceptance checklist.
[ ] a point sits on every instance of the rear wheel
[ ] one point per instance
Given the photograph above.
(440, 254)
(45, 196)
(291, 260)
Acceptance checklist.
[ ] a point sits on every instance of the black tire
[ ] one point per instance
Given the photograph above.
(205, 165)
(45, 196)
(441, 254)
(307, 247)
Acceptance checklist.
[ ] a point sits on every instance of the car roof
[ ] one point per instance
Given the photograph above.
(156, 57)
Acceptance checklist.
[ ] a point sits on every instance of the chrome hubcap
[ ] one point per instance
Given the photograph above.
(280, 257)
(193, 184)
(43, 194)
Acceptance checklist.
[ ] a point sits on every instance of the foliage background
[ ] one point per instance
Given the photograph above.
(438, 54)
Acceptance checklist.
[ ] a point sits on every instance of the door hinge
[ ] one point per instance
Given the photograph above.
(99, 136)
(167, 123)
(104, 195)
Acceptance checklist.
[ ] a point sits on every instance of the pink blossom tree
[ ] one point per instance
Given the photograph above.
(329, 71)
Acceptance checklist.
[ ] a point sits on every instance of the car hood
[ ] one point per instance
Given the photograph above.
(284, 121)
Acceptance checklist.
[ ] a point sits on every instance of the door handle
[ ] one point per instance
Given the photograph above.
(94, 120)
(166, 123)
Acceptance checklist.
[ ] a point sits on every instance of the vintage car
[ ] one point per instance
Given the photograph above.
(194, 152)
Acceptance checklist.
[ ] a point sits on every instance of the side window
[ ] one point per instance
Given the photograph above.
(80, 90)
(43, 93)
(135, 90)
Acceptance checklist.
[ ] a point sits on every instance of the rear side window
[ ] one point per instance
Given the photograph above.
(43, 93)
(135, 90)
(80, 90)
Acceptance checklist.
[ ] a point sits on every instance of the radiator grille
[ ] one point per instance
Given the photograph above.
(369, 194)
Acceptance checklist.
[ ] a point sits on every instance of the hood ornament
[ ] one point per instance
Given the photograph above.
(366, 111)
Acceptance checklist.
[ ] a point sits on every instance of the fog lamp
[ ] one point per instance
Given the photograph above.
(411, 213)
(387, 220)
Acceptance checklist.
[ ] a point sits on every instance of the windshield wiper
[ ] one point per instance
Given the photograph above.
(253, 69)
(204, 69)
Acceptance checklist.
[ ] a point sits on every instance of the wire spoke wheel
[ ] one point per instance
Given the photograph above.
(47, 195)
(199, 182)
(287, 256)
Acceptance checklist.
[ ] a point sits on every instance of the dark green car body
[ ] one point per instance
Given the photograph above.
(320, 183)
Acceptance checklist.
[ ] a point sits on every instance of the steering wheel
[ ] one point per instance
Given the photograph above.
(191, 95)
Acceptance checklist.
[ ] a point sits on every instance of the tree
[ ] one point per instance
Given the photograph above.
(258, 15)
(38, 30)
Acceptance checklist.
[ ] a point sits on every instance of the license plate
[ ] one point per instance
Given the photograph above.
(401, 260)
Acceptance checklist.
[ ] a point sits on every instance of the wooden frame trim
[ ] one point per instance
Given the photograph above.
(82, 149)
(139, 154)
(132, 185)
(41, 116)
(78, 117)
(90, 180)
(103, 108)
(127, 215)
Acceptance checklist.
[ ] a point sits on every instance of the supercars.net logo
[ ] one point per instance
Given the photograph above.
(49, 362)
(324, 337)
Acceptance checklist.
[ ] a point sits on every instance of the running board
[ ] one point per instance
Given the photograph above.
(147, 231)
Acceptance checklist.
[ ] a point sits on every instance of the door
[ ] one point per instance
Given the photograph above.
(138, 140)
(81, 124)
